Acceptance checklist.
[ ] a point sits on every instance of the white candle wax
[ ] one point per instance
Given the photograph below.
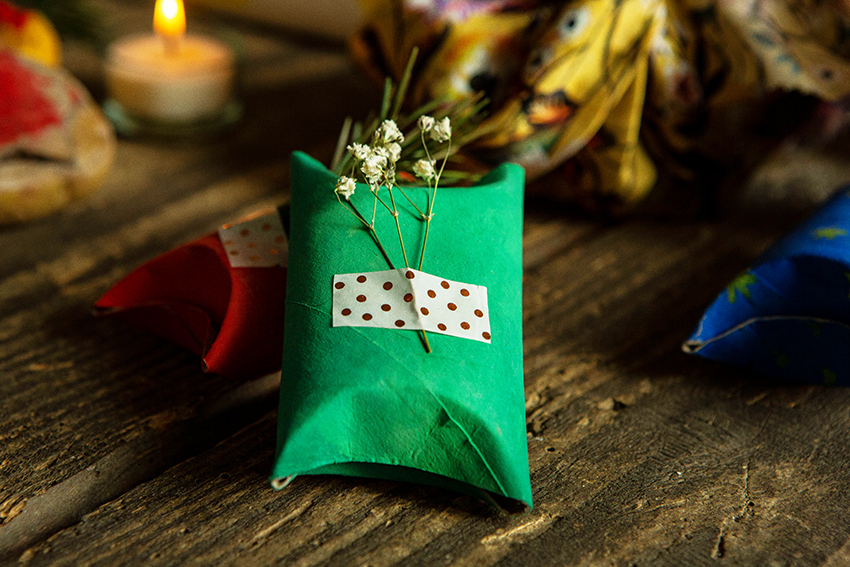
(188, 80)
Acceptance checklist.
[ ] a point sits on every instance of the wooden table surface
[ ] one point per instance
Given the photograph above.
(116, 449)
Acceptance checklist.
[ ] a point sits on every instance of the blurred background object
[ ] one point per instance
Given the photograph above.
(170, 82)
(55, 145)
(29, 33)
(336, 19)
(618, 106)
(73, 19)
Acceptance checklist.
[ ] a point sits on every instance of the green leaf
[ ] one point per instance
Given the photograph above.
(829, 233)
(740, 285)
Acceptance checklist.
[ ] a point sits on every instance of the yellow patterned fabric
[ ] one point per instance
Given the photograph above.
(613, 98)
(29, 33)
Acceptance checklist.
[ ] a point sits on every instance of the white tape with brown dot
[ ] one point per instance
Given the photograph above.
(257, 242)
(412, 300)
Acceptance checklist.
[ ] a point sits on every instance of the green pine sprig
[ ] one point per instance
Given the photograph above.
(466, 115)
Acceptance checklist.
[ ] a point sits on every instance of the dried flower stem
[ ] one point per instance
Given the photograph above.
(425, 342)
(379, 200)
(379, 148)
(397, 225)
(372, 232)
(377, 240)
(432, 197)
(411, 202)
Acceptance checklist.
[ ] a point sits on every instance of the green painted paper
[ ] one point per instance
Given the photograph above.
(371, 402)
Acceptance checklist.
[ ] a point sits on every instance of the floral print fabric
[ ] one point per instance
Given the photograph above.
(788, 316)
(613, 98)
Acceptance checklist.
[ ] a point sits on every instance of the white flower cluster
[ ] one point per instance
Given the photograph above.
(439, 131)
(424, 169)
(389, 132)
(377, 162)
(345, 187)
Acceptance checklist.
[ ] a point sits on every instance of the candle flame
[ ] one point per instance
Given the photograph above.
(169, 18)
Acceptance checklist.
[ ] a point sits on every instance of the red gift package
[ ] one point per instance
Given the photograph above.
(221, 296)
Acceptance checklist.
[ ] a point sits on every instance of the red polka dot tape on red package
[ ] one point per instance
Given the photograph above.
(410, 300)
(258, 242)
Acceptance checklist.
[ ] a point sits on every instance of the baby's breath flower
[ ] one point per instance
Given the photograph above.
(345, 187)
(426, 123)
(442, 130)
(424, 169)
(360, 151)
(393, 152)
(389, 132)
(381, 152)
(373, 166)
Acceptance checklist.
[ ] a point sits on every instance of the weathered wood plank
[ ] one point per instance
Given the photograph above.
(76, 389)
(639, 454)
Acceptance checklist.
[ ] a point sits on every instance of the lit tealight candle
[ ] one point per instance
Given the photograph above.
(170, 76)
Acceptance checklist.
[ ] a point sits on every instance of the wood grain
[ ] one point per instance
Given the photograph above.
(76, 389)
(115, 449)
(664, 461)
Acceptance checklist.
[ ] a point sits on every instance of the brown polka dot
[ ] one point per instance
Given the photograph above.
(244, 232)
(279, 239)
(361, 279)
(399, 323)
(432, 294)
(254, 258)
(441, 327)
(252, 245)
(339, 285)
(452, 307)
(367, 317)
(361, 298)
(234, 253)
(228, 242)
(486, 335)
(408, 297)
(386, 307)
(273, 251)
(409, 275)
(445, 284)
(464, 326)
(478, 313)
(267, 226)
(346, 312)
(464, 292)
(388, 286)
(424, 310)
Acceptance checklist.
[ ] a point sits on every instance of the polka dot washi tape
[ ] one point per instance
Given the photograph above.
(259, 242)
(408, 299)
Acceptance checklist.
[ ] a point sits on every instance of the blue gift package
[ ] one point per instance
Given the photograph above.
(788, 315)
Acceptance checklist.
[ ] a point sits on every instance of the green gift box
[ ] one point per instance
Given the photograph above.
(371, 402)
